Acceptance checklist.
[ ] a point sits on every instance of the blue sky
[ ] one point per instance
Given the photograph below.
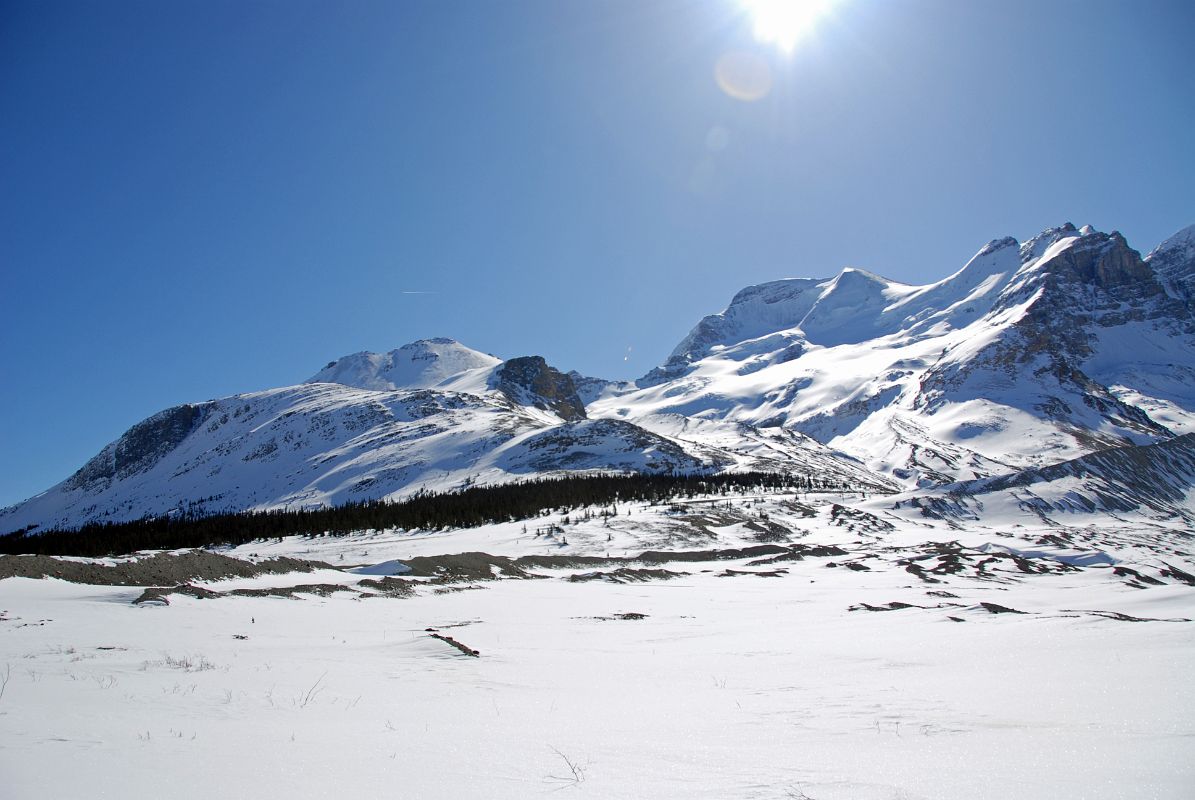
(202, 198)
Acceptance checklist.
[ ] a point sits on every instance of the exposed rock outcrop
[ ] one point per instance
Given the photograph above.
(142, 446)
(529, 381)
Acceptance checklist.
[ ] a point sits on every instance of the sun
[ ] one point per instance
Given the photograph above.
(784, 22)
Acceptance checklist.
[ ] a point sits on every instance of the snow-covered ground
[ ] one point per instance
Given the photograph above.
(785, 674)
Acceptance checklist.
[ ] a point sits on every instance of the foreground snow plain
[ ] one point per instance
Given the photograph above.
(741, 679)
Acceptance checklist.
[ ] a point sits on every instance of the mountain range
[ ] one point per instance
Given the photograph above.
(1055, 371)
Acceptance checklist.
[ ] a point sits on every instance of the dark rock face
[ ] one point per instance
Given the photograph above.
(1099, 281)
(1114, 272)
(530, 381)
(142, 446)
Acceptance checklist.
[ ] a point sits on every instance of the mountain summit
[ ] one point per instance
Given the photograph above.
(418, 365)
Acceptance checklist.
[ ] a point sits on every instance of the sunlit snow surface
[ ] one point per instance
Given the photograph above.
(751, 680)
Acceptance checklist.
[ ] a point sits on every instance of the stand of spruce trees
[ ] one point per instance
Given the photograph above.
(466, 508)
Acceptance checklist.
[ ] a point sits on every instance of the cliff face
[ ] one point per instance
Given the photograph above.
(141, 447)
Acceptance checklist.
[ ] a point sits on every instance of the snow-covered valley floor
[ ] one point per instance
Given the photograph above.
(797, 681)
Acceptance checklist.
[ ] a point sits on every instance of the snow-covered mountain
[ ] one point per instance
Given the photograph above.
(1033, 354)
(324, 442)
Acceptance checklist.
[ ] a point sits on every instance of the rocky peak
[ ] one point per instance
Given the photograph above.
(529, 381)
(996, 245)
(1094, 273)
(1103, 260)
(1082, 283)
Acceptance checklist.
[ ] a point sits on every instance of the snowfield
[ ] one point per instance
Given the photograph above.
(785, 646)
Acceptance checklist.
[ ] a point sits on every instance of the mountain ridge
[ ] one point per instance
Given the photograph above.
(1067, 339)
(1032, 353)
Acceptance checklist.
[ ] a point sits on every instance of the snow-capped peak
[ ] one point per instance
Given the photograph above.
(850, 307)
(857, 305)
(1181, 244)
(418, 365)
(754, 311)
(1173, 261)
(1036, 247)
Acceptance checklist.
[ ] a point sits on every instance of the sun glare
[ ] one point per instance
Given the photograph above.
(784, 22)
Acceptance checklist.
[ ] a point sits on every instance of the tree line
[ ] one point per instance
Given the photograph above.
(425, 510)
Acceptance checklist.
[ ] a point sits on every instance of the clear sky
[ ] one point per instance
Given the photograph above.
(203, 198)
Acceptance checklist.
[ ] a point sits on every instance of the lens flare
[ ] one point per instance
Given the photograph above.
(784, 22)
(743, 75)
